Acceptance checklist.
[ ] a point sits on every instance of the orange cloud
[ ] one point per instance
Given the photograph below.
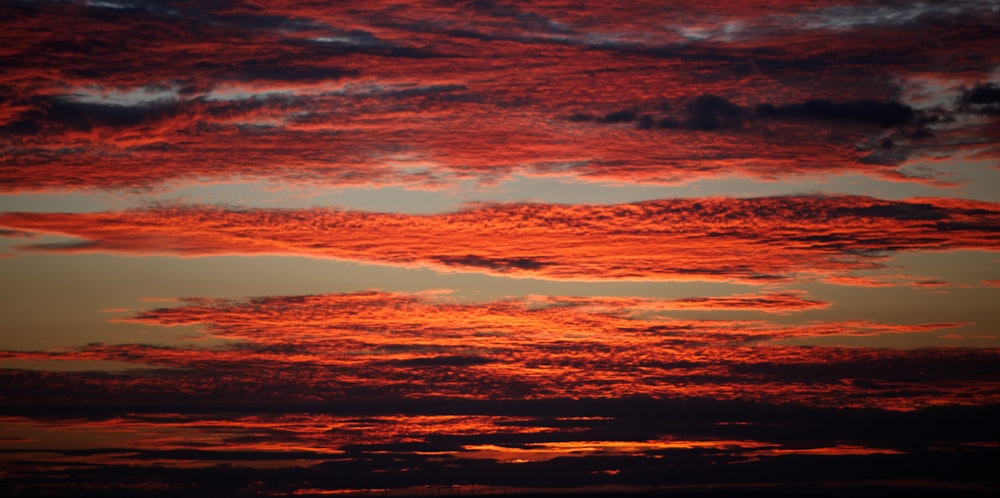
(753, 240)
(302, 349)
(774, 302)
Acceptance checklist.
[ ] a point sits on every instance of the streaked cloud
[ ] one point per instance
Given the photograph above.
(362, 447)
(376, 344)
(379, 383)
(337, 95)
(754, 240)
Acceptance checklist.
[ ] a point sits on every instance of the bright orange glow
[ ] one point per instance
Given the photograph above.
(675, 239)
(418, 346)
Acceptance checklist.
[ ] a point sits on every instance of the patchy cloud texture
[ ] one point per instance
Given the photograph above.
(314, 380)
(341, 95)
(838, 163)
(746, 239)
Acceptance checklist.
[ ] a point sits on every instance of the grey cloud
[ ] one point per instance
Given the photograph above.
(5, 232)
(76, 245)
(499, 264)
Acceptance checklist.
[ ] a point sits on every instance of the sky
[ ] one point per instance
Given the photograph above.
(487, 247)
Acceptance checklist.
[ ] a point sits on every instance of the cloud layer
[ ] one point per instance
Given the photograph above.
(398, 390)
(760, 239)
(375, 345)
(426, 95)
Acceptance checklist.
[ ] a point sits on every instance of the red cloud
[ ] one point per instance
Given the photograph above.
(374, 344)
(757, 239)
(343, 96)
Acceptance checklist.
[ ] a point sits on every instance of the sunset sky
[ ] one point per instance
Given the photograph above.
(417, 247)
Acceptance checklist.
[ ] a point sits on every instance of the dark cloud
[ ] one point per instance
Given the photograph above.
(280, 69)
(85, 115)
(444, 361)
(380, 445)
(624, 116)
(4, 232)
(64, 115)
(984, 98)
(492, 263)
(884, 114)
(709, 112)
(58, 114)
(69, 246)
(893, 210)
(928, 367)
(986, 93)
